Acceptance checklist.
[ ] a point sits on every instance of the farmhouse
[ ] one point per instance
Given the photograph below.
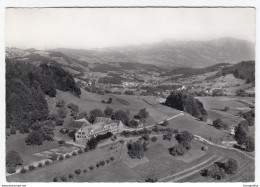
(100, 126)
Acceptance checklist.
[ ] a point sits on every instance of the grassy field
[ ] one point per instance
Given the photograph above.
(187, 122)
(17, 143)
(58, 169)
(89, 101)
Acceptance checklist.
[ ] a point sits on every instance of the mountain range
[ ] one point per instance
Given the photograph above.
(173, 53)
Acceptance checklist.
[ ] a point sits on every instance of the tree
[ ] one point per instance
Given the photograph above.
(177, 150)
(231, 166)
(143, 113)
(135, 150)
(92, 143)
(54, 157)
(184, 101)
(109, 100)
(185, 144)
(13, 159)
(78, 171)
(62, 112)
(241, 133)
(60, 103)
(226, 108)
(94, 113)
(122, 116)
(184, 136)
(108, 111)
(168, 136)
(165, 123)
(34, 138)
(218, 123)
(154, 139)
(250, 144)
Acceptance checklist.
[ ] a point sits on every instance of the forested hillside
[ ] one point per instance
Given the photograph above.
(243, 70)
(26, 85)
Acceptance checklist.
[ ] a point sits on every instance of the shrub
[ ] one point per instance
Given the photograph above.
(154, 139)
(13, 159)
(185, 144)
(74, 153)
(184, 136)
(70, 176)
(23, 170)
(47, 162)
(91, 167)
(80, 151)
(108, 161)
(11, 169)
(78, 171)
(63, 179)
(31, 167)
(85, 170)
(231, 166)
(177, 150)
(165, 123)
(151, 179)
(250, 144)
(146, 137)
(67, 156)
(54, 157)
(40, 165)
(86, 149)
(112, 158)
(226, 108)
(97, 165)
(55, 179)
(61, 142)
(61, 158)
(12, 130)
(102, 163)
(168, 136)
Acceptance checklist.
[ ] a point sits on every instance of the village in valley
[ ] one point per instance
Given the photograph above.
(171, 111)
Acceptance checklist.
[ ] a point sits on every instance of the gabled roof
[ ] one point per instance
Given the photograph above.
(83, 120)
(102, 119)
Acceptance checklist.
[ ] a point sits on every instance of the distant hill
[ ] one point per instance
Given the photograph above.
(243, 70)
(188, 72)
(173, 53)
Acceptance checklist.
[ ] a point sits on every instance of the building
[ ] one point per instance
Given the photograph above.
(100, 126)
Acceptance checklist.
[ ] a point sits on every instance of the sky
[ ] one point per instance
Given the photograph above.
(86, 28)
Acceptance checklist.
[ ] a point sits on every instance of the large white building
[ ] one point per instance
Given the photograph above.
(100, 126)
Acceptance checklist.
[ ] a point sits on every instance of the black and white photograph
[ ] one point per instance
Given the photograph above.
(130, 94)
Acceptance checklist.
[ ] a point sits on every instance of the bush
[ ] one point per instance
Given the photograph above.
(47, 162)
(11, 169)
(168, 136)
(40, 165)
(184, 136)
(112, 158)
(12, 130)
(177, 150)
(97, 165)
(146, 137)
(78, 171)
(108, 161)
(80, 151)
(31, 167)
(250, 144)
(226, 108)
(231, 166)
(85, 170)
(61, 142)
(63, 179)
(91, 167)
(67, 156)
(54, 157)
(23, 170)
(154, 139)
(86, 149)
(218, 123)
(61, 158)
(13, 159)
(70, 176)
(165, 123)
(102, 163)
(185, 144)
(74, 153)
(55, 179)
(151, 179)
